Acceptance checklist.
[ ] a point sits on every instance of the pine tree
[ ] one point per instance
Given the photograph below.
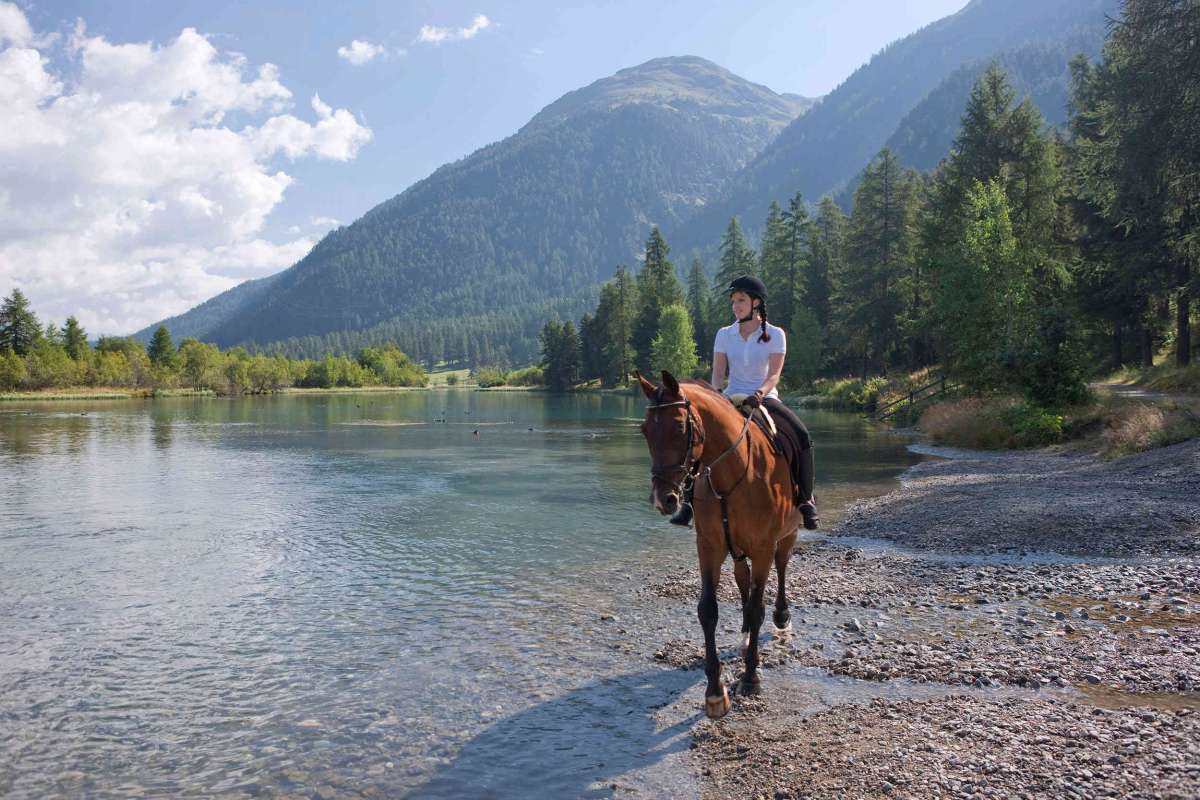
(879, 261)
(616, 315)
(19, 327)
(560, 355)
(658, 287)
(698, 305)
(75, 339)
(826, 241)
(162, 348)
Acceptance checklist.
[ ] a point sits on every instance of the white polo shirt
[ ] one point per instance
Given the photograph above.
(748, 358)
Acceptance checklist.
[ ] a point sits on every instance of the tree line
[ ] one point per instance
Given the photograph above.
(1026, 260)
(33, 357)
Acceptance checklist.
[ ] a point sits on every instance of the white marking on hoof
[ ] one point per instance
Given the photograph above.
(784, 632)
(745, 647)
(717, 707)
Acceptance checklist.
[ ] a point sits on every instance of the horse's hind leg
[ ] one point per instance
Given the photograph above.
(783, 615)
(716, 697)
(741, 574)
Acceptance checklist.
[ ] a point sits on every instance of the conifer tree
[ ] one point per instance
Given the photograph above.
(162, 348)
(698, 305)
(879, 260)
(19, 327)
(658, 287)
(75, 339)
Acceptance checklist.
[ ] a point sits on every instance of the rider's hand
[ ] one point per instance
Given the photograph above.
(754, 400)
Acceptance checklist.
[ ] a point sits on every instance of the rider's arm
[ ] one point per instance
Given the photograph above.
(719, 370)
(774, 370)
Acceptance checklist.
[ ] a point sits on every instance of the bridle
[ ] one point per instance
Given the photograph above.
(691, 468)
(685, 467)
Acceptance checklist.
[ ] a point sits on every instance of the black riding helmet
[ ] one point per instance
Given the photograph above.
(750, 285)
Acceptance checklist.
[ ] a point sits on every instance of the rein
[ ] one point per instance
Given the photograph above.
(692, 468)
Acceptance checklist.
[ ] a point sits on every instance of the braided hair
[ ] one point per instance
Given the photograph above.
(762, 313)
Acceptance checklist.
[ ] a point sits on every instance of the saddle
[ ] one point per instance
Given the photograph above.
(760, 416)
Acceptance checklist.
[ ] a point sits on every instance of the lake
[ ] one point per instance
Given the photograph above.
(360, 595)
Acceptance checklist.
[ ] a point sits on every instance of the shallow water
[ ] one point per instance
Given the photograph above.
(347, 594)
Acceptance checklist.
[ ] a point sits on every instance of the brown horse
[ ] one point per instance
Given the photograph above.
(743, 505)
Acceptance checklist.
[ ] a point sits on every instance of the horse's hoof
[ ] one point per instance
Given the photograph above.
(745, 646)
(748, 687)
(783, 632)
(717, 707)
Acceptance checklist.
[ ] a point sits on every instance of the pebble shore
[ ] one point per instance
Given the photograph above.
(1051, 599)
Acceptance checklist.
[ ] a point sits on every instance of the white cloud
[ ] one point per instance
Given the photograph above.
(360, 52)
(431, 34)
(125, 194)
(325, 222)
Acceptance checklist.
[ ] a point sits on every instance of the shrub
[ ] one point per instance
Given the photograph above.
(490, 376)
(965, 423)
(1032, 425)
(1142, 426)
(530, 376)
(452, 379)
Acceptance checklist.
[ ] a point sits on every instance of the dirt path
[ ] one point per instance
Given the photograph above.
(1053, 602)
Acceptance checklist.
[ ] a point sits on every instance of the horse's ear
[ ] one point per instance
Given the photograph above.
(670, 382)
(650, 390)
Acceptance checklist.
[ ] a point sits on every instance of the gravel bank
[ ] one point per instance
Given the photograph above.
(1068, 584)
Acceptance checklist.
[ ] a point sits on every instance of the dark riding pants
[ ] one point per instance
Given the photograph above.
(796, 444)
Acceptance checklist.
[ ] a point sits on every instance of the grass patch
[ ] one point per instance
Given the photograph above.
(450, 377)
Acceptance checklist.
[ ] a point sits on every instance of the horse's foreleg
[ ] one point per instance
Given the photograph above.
(761, 570)
(783, 554)
(741, 574)
(716, 697)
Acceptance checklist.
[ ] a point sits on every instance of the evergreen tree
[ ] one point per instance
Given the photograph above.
(737, 257)
(1141, 163)
(560, 355)
(698, 305)
(674, 348)
(161, 349)
(75, 340)
(879, 263)
(615, 317)
(591, 342)
(19, 328)
(826, 241)
(658, 287)
(795, 250)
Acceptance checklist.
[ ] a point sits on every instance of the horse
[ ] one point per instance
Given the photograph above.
(742, 500)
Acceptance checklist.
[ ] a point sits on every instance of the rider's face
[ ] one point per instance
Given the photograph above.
(741, 303)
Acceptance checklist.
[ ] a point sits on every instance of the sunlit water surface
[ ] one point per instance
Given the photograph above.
(348, 595)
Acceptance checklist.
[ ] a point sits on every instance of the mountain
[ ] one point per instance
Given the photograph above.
(826, 148)
(212, 313)
(530, 223)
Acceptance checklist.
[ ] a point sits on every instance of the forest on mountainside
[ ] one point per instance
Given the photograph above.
(1025, 261)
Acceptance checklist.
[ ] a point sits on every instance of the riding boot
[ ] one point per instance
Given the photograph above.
(807, 503)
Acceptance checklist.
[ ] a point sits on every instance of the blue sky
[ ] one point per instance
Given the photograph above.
(393, 119)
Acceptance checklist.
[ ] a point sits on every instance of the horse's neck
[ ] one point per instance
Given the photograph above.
(722, 427)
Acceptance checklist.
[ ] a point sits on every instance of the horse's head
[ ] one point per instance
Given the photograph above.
(675, 438)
